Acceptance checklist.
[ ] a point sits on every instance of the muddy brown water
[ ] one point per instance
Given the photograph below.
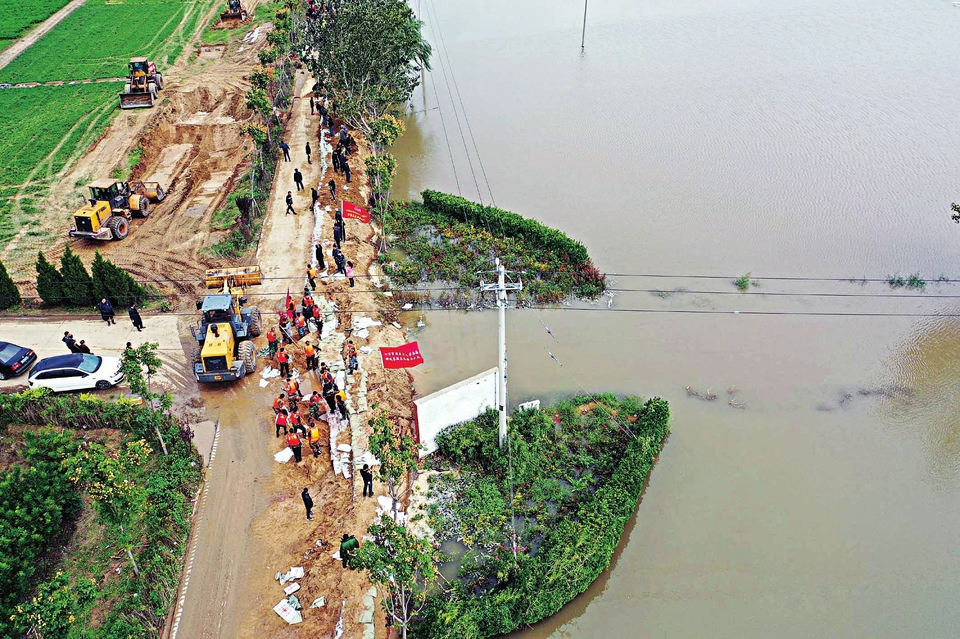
(718, 138)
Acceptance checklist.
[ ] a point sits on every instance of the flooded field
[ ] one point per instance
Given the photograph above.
(817, 494)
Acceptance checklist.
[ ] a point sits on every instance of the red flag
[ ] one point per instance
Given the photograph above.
(354, 212)
(289, 300)
(406, 356)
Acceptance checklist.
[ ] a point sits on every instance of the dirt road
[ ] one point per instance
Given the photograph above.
(10, 53)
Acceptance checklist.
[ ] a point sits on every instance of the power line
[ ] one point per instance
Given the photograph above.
(784, 293)
(446, 139)
(851, 280)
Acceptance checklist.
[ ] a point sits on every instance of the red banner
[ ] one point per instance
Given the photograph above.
(406, 356)
(354, 212)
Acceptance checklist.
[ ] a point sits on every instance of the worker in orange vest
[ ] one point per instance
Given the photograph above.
(272, 342)
(352, 363)
(316, 401)
(312, 277)
(314, 436)
(300, 324)
(296, 423)
(293, 390)
(284, 360)
(279, 402)
(296, 445)
(311, 355)
(282, 421)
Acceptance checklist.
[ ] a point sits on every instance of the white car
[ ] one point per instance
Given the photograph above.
(76, 372)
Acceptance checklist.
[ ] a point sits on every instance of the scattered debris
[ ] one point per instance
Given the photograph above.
(709, 396)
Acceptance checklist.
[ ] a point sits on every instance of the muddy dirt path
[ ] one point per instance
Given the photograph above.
(10, 53)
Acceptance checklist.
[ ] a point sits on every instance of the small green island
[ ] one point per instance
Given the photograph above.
(536, 522)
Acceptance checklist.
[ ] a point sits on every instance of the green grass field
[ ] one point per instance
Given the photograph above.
(98, 39)
(19, 16)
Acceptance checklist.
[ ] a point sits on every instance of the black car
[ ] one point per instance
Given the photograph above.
(14, 360)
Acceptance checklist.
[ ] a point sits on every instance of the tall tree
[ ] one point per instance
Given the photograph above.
(77, 283)
(9, 293)
(49, 282)
(135, 362)
(398, 454)
(403, 565)
(112, 282)
(369, 58)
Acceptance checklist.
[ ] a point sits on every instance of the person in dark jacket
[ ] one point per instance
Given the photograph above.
(289, 201)
(106, 311)
(69, 341)
(309, 153)
(314, 195)
(333, 189)
(345, 165)
(337, 234)
(135, 317)
(367, 475)
(340, 261)
(298, 179)
(348, 548)
(318, 251)
(286, 151)
(83, 348)
(307, 503)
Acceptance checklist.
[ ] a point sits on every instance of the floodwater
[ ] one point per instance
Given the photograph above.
(812, 139)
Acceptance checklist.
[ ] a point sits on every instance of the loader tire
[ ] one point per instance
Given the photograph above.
(248, 354)
(119, 227)
(152, 90)
(158, 78)
(144, 203)
(160, 194)
(256, 322)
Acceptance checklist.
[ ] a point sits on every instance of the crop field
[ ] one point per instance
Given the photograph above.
(99, 38)
(41, 131)
(19, 16)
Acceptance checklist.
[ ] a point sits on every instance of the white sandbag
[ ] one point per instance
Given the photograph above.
(287, 612)
(284, 455)
(296, 572)
(292, 588)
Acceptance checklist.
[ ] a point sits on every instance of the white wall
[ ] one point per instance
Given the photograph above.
(454, 404)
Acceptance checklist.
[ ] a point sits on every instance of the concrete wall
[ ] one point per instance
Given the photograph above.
(454, 404)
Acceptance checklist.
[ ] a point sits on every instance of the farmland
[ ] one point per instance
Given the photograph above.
(42, 130)
(19, 17)
(98, 39)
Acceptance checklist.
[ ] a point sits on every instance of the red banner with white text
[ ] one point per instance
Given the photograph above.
(354, 212)
(406, 356)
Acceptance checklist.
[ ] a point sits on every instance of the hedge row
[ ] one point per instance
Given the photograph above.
(40, 407)
(506, 223)
(572, 557)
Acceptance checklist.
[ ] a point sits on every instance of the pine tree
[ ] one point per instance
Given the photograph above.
(77, 285)
(49, 282)
(112, 282)
(9, 294)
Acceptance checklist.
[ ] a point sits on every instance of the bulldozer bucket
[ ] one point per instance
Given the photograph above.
(136, 100)
(240, 276)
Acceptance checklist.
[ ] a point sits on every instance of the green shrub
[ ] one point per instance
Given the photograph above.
(77, 283)
(113, 283)
(9, 294)
(49, 282)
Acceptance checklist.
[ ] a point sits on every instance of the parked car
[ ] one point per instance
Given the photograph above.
(15, 360)
(76, 372)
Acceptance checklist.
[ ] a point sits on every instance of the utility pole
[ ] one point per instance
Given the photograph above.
(583, 35)
(500, 288)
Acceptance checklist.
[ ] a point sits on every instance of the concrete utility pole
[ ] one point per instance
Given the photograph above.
(501, 288)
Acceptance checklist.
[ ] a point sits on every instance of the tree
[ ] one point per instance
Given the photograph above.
(112, 282)
(9, 294)
(398, 454)
(77, 284)
(134, 361)
(403, 565)
(49, 282)
(369, 58)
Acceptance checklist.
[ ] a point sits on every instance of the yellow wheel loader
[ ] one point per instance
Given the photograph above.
(143, 84)
(112, 205)
(235, 11)
(225, 329)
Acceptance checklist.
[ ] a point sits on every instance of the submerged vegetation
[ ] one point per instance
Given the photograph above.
(449, 238)
(541, 517)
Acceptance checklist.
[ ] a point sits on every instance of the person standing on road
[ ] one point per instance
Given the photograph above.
(282, 421)
(333, 189)
(296, 445)
(349, 273)
(313, 437)
(290, 203)
(311, 113)
(337, 159)
(309, 152)
(69, 341)
(318, 253)
(352, 363)
(286, 151)
(106, 311)
(305, 495)
(135, 317)
(314, 195)
(367, 476)
(272, 342)
(345, 165)
(298, 179)
(312, 277)
(348, 547)
(340, 261)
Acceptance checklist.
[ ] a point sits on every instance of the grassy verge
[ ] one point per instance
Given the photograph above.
(448, 238)
(578, 469)
(121, 503)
